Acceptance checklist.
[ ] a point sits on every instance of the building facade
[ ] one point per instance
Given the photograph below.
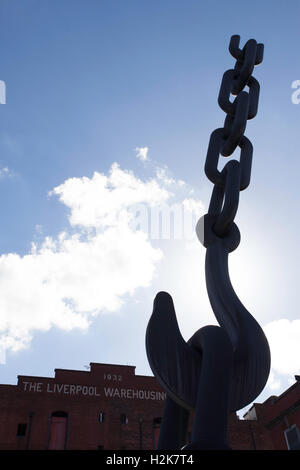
(109, 407)
(280, 416)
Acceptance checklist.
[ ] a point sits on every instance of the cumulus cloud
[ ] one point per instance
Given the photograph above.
(142, 153)
(65, 281)
(161, 174)
(284, 340)
(102, 201)
(193, 205)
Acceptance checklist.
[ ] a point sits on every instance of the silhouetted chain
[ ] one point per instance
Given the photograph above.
(235, 175)
(221, 368)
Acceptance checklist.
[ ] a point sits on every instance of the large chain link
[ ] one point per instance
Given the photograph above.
(235, 176)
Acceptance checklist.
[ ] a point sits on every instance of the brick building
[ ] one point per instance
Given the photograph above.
(109, 407)
(280, 416)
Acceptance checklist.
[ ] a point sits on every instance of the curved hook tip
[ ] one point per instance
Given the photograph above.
(163, 299)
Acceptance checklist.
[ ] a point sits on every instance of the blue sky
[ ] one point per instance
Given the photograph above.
(89, 83)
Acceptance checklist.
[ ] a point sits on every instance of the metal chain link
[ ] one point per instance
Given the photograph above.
(235, 176)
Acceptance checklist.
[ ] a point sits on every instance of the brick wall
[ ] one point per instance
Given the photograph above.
(115, 390)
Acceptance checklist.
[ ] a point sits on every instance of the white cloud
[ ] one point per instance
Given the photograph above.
(102, 200)
(194, 205)
(161, 174)
(273, 383)
(142, 153)
(65, 281)
(284, 340)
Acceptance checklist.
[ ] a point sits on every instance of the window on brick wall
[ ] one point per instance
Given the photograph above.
(124, 419)
(292, 437)
(101, 417)
(21, 430)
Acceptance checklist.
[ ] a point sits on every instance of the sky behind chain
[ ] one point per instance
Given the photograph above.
(108, 112)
